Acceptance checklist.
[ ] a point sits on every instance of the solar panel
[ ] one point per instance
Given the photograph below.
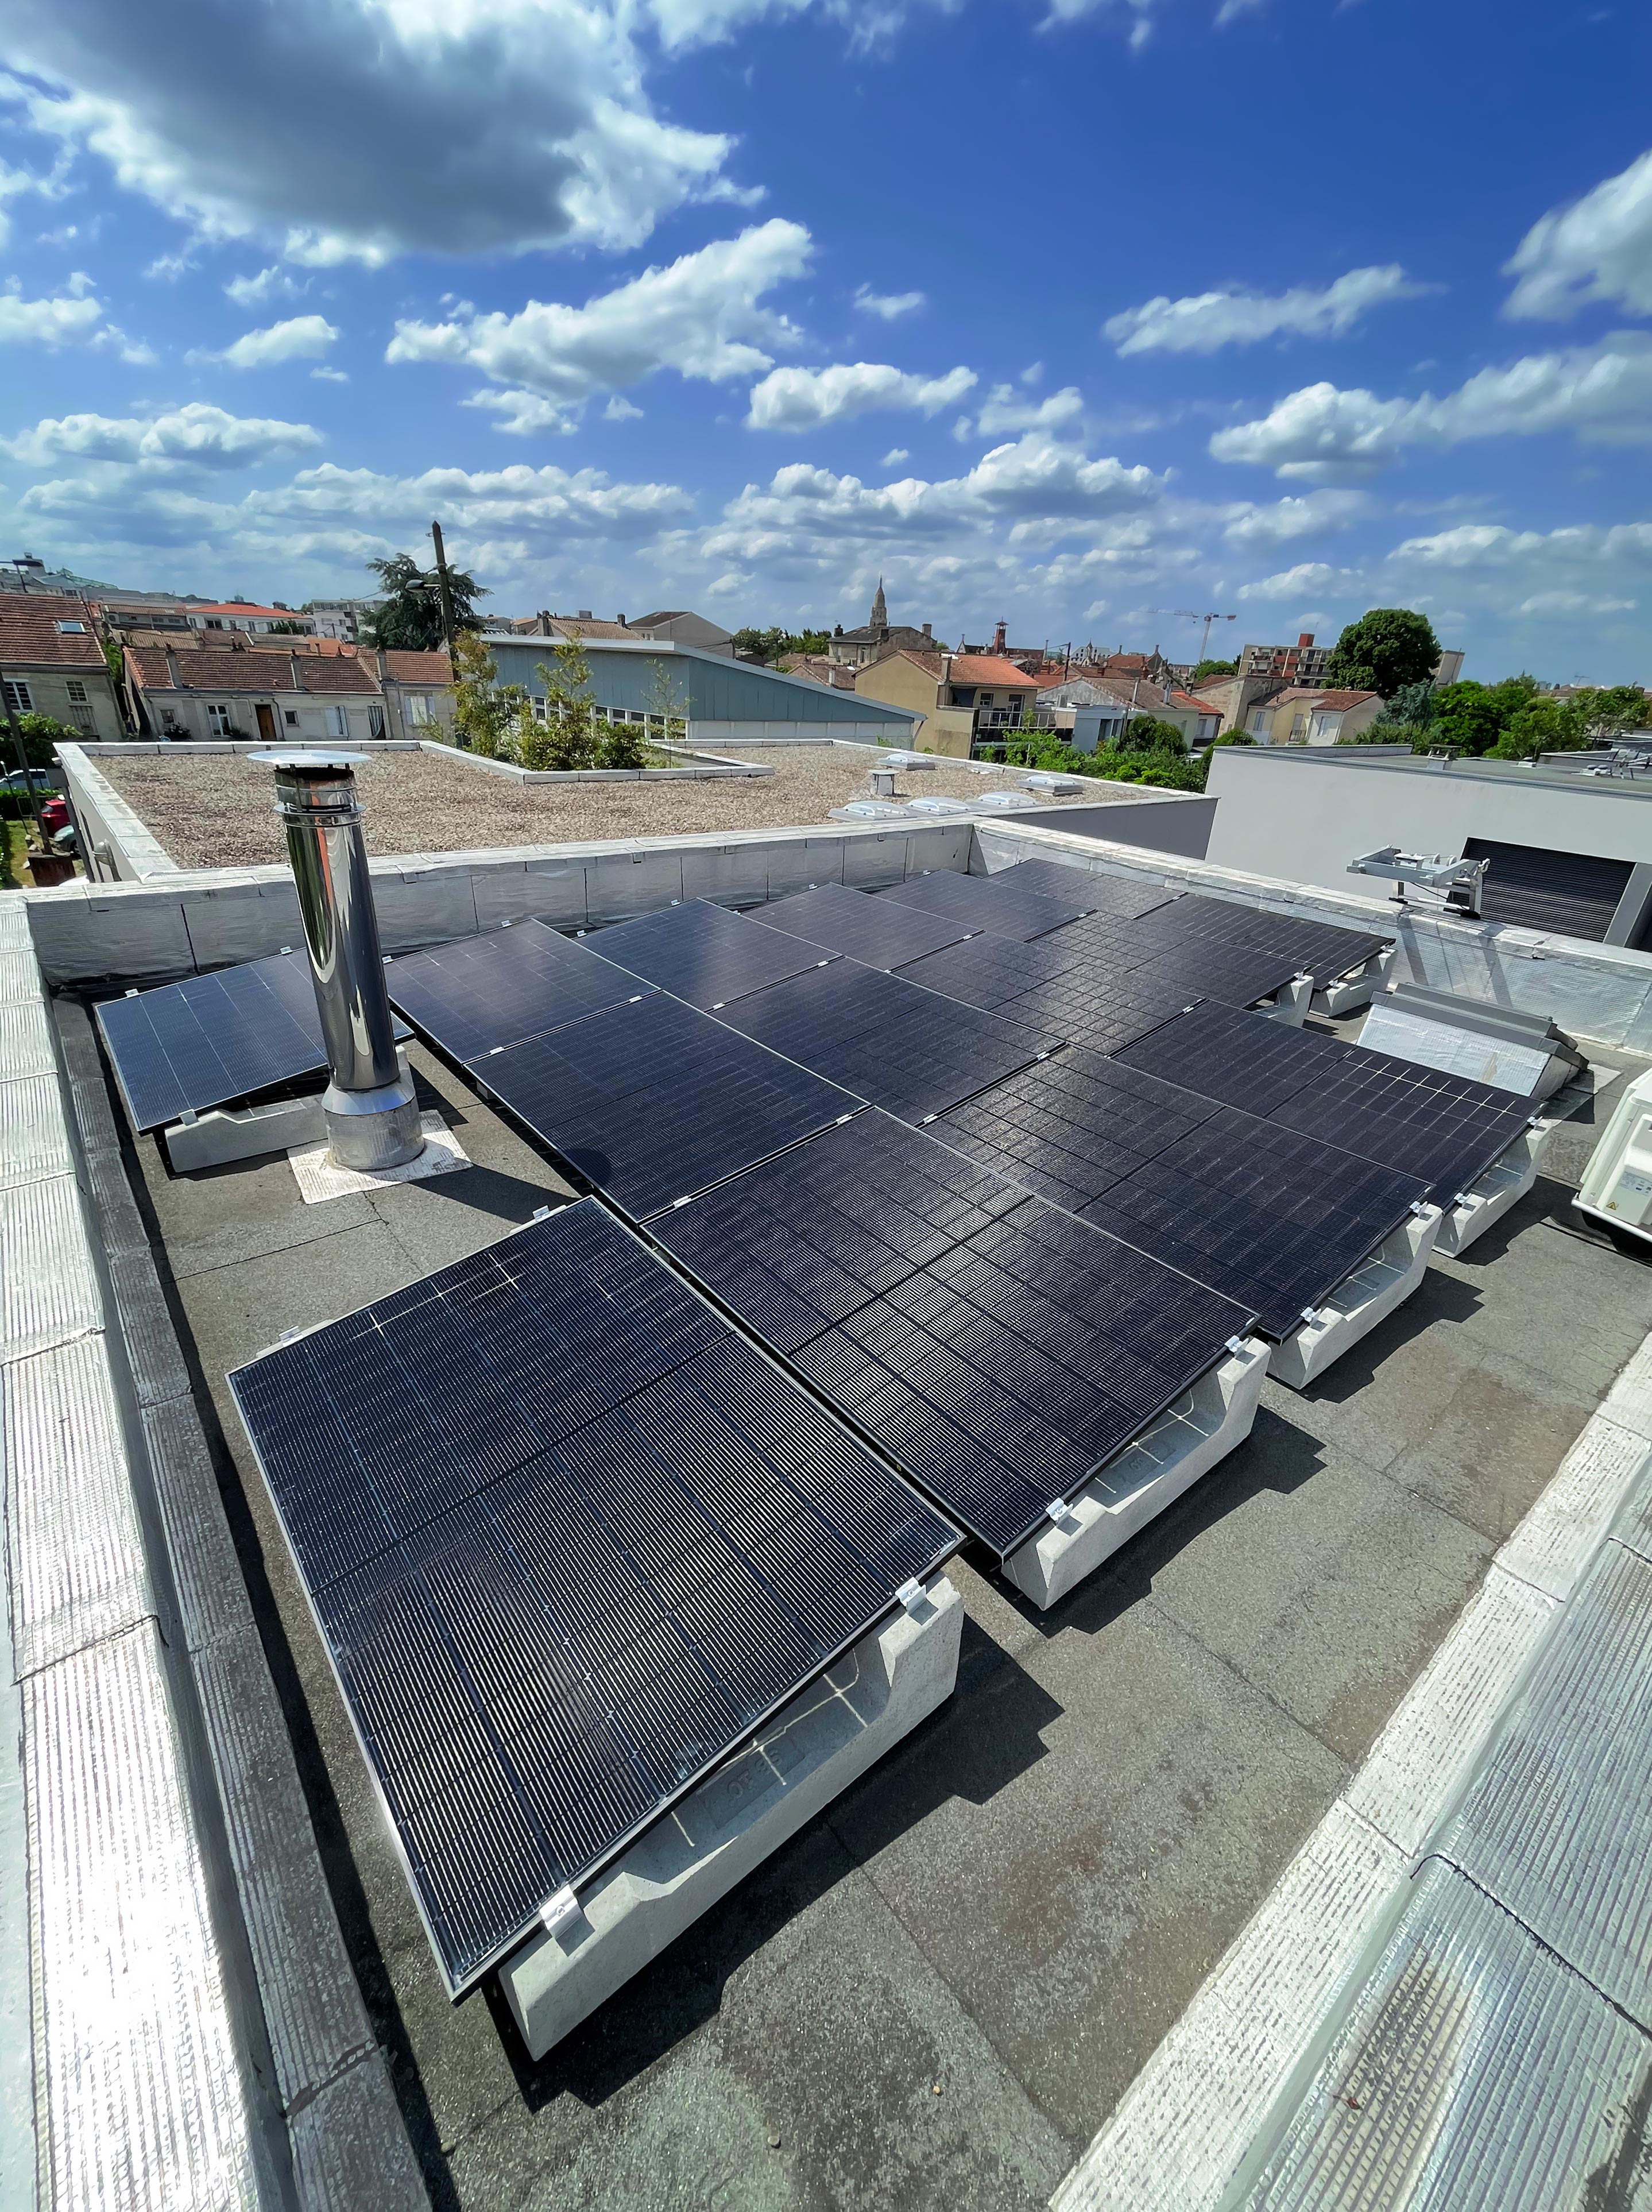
(1272, 1218)
(484, 992)
(1100, 1009)
(1442, 1128)
(876, 933)
(1122, 896)
(704, 953)
(1316, 948)
(651, 1101)
(1072, 989)
(1237, 975)
(886, 1040)
(185, 1047)
(999, 1352)
(569, 1541)
(988, 971)
(985, 902)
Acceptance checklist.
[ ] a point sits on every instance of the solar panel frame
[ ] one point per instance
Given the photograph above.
(890, 1041)
(479, 994)
(884, 1533)
(985, 902)
(706, 954)
(877, 933)
(174, 1049)
(978, 1368)
(680, 1084)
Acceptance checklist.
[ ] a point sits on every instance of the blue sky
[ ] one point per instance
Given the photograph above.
(1064, 312)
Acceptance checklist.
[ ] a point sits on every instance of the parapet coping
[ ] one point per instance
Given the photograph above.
(1183, 2131)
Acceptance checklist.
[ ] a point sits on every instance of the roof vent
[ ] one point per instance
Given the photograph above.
(369, 1107)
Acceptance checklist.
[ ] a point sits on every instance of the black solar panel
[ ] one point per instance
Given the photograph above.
(985, 903)
(905, 1048)
(1072, 989)
(651, 1100)
(1442, 1128)
(999, 1353)
(1272, 1218)
(185, 1047)
(704, 953)
(569, 1540)
(988, 971)
(1237, 975)
(483, 992)
(875, 931)
(1122, 896)
(1315, 948)
(1100, 1008)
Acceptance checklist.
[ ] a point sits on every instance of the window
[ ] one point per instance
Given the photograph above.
(986, 699)
(419, 709)
(292, 719)
(19, 698)
(221, 718)
(71, 629)
(541, 713)
(338, 721)
(213, 622)
(76, 692)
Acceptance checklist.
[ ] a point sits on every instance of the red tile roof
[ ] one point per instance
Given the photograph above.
(30, 638)
(986, 669)
(418, 668)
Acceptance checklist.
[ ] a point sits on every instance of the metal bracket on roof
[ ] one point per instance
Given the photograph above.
(560, 1912)
(912, 1593)
(130, 995)
(504, 924)
(1057, 1510)
(540, 1213)
(1419, 1206)
(1235, 1344)
(843, 1118)
(189, 1117)
(286, 948)
(1310, 1314)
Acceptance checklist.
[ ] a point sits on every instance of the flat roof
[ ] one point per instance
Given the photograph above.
(940, 1990)
(1377, 759)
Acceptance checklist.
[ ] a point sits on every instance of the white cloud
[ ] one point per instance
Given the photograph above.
(1321, 434)
(702, 316)
(1006, 411)
(804, 398)
(302, 337)
(621, 410)
(62, 321)
(889, 306)
(193, 437)
(1139, 14)
(265, 289)
(1568, 605)
(494, 126)
(893, 458)
(1308, 576)
(1287, 519)
(330, 375)
(1599, 248)
(1206, 321)
(519, 497)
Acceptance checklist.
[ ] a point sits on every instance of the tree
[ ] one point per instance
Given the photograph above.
(775, 644)
(1468, 716)
(567, 739)
(664, 699)
(1411, 708)
(1147, 734)
(1546, 725)
(42, 734)
(410, 618)
(1388, 649)
(288, 627)
(486, 714)
(1213, 668)
(1608, 712)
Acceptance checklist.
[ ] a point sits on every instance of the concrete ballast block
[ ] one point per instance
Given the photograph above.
(1359, 1302)
(1504, 1183)
(1202, 1426)
(214, 1139)
(1290, 1003)
(825, 1738)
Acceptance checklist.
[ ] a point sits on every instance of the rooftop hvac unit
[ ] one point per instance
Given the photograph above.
(1617, 1186)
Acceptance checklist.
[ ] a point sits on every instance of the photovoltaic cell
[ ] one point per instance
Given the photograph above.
(905, 1048)
(483, 992)
(704, 953)
(988, 971)
(1315, 948)
(985, 903)
(1270, 1217)
(185, 1047)
(1442, 1128)
(569, 1540)
(999, 1350)
(876, 932)
(1122, 896)
(1236, 975)
(1100, 1008)
(652, 1100)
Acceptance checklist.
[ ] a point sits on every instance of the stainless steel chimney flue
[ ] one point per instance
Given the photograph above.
(370, 1109)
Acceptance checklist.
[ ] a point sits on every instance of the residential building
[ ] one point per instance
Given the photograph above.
(819, 668)
(1303, 715)
(1448, 668)
(965, 698)
(54, 664)
(204, 690)
(720, 700)
(859, 648)
(1302, 663)
(546, 624)
(1121, 701)
(677, 626)
(339, 617)
(1234, 697)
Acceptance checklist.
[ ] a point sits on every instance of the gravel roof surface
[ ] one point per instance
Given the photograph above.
(215, 812)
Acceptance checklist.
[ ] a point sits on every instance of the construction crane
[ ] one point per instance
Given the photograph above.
(1189, 614)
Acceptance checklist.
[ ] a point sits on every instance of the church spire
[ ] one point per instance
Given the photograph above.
(879, 611)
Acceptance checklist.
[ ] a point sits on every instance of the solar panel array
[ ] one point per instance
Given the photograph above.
(1316, 948)
(988, 902)
(651, 1101)
(997, 1349)
(704, 953)
(1442, 1128)
(878, 932)
(185, 1047)
(569, 1540)
(1122, 896)
(1270, 1217)
(484, 992)
(902, 1047)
